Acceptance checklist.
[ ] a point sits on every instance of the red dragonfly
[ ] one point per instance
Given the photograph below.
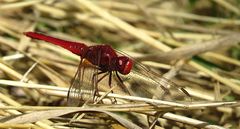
(104, 60)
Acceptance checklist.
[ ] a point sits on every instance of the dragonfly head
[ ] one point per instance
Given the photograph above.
(124, 65)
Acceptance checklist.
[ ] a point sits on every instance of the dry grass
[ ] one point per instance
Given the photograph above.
(195, 43)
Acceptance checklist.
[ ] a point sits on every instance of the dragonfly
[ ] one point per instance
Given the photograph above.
(103, 64)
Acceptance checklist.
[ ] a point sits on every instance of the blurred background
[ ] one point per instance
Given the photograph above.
(194, 43)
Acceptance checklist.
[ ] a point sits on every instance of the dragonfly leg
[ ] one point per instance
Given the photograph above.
(122, 84)
(95, 92)
(102, 76)
(110, 85)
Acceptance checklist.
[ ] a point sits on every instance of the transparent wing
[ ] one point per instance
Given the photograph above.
(83, 84)
(141, 81)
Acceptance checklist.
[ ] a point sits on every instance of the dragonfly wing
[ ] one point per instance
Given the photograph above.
(74, 92)
(164, 88)
(82, 85)
(143, 82)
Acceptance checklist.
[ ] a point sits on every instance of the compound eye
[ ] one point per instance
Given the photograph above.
(124, 65)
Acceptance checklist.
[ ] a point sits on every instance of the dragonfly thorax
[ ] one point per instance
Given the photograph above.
(107, 60)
